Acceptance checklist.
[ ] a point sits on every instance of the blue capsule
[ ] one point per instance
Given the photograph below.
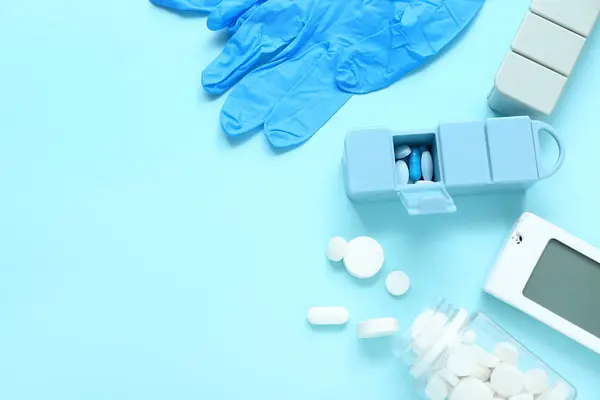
(414, 164)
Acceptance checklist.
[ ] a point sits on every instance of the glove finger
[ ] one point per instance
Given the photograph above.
(235, 26)
(187, 5)
(250, 103)
(307, 106)
(383, 58)
(227, 12)
(264, 34)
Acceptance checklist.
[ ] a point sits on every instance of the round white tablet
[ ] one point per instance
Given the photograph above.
(377, 327)
(462, 361)
(507, 380)
(397, 283)
(436, 389)
(486, 359)
(471, 389)
(327, 315)
(448, 376)
(536, 381)
(507, 352)
(402, 151)
(336, 249)
(480, 372)
(364, 257)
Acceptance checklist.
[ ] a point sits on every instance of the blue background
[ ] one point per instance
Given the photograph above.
(145, 256)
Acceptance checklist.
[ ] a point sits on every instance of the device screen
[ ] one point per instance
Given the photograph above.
(567, 283)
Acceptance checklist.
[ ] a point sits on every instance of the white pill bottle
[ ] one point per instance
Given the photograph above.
(453, 354)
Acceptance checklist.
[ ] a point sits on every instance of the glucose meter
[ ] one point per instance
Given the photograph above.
(551, 275)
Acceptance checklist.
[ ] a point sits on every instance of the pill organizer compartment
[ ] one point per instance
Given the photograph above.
(427, 347)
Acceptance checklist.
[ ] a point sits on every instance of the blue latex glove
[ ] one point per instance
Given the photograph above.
(301, 45)
(187, 5)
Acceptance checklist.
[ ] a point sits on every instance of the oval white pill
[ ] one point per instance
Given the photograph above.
(522, 396)
(507, 380)
(402, 151)
(377, 327)
(507, 352)
(436, 389)
(536, 381)
(397, 283)
(462, 361)
(480, 372)
(327, 315)
(426, 166)
(337, 248)
(402, 174)
(469, 337)
(471, 389)
(364, 257)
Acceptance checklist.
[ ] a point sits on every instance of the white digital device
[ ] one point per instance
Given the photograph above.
(552, 276)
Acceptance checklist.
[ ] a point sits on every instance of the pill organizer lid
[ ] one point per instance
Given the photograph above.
(428, 198)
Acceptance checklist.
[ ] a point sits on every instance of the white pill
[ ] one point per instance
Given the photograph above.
(507, 352)
(469, 337)
(471, 389)
(480, 372)
(327, 315)
(402, 151)
(489, 384)
(536, 381)
(522, 396)
(420, 322)
(337, 248)
(448, 376)
(422, 182)
(364, 257)
(397, 283)
(436, 389)
(426, 166)
(402, 174)
(461, 361)
(486, 359)
(378, 327)
(507, 380)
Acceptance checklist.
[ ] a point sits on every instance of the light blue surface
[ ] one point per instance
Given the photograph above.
(287, 62)
(469, 157)
(144, 256)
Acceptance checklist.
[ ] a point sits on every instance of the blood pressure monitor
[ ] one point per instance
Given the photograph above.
(552, 276)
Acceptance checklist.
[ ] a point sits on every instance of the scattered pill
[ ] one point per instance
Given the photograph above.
(364, 257)
(378, 327)
(436, 389)
(402, 151)
(414, 164)
(426, 166)
(448, 376)
(536, 381)
(471, 389)
(336, 249)
(507, 352)
(461, 361)
(327, 315)
(397, 283)
(507, 380)
(522, 396)
(480, 372)
(402, 173)
(469, 337)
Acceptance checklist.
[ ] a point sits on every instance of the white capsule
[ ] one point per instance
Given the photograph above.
(327, 315)
(364, 257)
(507, 380)
(397, 283)
(402, 151)
(536, 381)
(402, 174)
(426, 166)
(507, 352)
(336, 249)
(471, 389)
(436, 389)
(377, 327)
(461, 361)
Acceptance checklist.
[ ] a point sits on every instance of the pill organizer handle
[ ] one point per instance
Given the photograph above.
(539, 126)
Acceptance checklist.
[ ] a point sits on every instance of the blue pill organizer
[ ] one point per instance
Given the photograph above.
(497, 154)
